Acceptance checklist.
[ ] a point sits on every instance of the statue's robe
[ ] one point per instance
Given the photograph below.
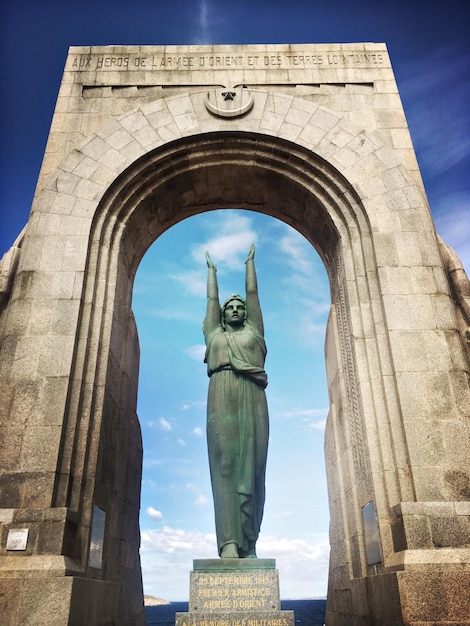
(237, 434)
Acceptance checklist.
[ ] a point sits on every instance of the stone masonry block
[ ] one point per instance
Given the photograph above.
(147, 136)
(86, 167)
(187, 122)
(386, 249)
(180, 105)
(88, 190)
(422, 312)
(63, 204)
(409, 252)
(431, 598)
(324, 119)
(277, 104)
(297, 116)
(289, 131)
(422, 280)
(390, 118)
(66, 183)
(395, 280)
(120, 138)
(114, 161)
(397, 311)
(169, 132)
(160, 118)
(271, 121)
(134, 121)
(131, 151)
(95, 148)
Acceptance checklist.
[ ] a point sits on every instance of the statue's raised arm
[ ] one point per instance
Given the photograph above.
(253, 308)
(212, 319)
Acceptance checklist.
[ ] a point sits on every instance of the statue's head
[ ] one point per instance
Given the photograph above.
(233, 311)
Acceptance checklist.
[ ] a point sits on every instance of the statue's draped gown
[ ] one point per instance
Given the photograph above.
(237, 434)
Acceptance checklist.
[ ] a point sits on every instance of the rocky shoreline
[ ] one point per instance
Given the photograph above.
(153, 601)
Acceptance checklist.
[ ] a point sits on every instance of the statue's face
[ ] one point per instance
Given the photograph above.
(235, 313)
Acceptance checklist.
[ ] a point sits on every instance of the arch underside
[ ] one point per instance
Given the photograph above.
(233, 170)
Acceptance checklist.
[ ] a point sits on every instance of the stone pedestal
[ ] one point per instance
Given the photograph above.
(234, 592)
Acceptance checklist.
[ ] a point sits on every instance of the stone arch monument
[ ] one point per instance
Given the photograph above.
(315, 135)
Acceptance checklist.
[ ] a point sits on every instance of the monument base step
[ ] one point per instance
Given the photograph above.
(236, 618)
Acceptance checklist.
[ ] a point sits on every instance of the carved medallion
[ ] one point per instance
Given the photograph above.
(231, 102)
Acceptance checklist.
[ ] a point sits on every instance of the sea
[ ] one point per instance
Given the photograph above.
(306, 612)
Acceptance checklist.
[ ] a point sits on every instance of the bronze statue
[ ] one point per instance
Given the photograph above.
(237, 413)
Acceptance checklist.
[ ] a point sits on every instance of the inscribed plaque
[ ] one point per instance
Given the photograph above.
(371, 534)
(95, 558)
(17, 539)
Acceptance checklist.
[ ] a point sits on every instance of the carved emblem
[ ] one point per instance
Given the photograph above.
(229, 102)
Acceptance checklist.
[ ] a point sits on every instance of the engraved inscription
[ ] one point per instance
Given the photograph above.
(234, 591)
(226, 61)
(186, 620)
(17, 539)
(355, 58)
(95, 558)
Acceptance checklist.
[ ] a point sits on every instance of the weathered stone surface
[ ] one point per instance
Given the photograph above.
(134, 149)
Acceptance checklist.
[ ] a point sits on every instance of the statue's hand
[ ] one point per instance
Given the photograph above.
(251, 253)
(210, 265)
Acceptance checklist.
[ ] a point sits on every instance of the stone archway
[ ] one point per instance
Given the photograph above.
(70, 352)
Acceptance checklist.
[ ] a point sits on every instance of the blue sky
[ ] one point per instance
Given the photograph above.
(169, 305)
(429, 46)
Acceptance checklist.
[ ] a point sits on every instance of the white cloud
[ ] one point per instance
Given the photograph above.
(230, 249)
(192, 487)
(176, 540)
(167, 555)
(164, 424)
(304, 268)
(232, 242)
(201, 500)
(197, 404)
(303, 566)
(192, 281)
(203, 22)
(197, 432)
(321, 425)
(181, 442)
(304, 294)
(310, 419)
(154, 514)
(197, 352)
(294, 246)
